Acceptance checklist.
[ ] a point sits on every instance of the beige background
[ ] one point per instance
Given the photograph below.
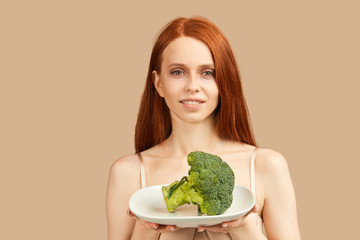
(72, 73)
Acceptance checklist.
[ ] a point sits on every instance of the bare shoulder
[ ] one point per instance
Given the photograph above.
(273, 173)
(269, 161)
(125, 163)
(277, 192)
(125, 171)
(124, 180)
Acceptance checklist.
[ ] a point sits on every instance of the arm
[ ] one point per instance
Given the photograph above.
(124, 180)
(121, 184)
(280, 214)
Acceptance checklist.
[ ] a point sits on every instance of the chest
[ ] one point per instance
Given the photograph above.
(165, 172)
(162, 172)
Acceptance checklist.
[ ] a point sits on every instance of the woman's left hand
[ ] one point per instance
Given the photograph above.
(230, 226)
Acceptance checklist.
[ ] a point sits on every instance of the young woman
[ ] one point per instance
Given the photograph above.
(193, 101)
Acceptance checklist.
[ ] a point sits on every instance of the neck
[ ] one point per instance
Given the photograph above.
(188, 137)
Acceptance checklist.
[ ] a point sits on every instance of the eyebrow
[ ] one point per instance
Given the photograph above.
(184, 66)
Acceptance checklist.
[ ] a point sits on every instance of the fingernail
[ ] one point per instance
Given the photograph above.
(200, 230)
(155, 226)
(224, 225)
(172, 229)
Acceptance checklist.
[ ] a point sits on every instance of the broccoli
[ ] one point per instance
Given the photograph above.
(209, 185)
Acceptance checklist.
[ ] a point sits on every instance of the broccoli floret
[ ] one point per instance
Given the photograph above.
(209, 185)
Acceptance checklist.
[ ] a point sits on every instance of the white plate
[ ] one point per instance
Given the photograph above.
(148, 204)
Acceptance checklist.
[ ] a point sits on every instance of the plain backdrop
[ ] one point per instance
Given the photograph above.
(72, 74)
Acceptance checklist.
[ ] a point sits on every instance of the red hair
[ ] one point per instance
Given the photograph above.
(232, 117)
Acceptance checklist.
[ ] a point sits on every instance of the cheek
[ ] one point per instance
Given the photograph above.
(215, 96)
(170, 94)
(172, 88)
(214, 92)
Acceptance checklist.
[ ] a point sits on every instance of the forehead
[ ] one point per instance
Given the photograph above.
(187, 50)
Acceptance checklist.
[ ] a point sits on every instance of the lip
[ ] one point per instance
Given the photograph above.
(192, 103)
(192, 100)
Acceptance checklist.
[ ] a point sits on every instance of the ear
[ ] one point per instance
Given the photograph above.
(157, 83)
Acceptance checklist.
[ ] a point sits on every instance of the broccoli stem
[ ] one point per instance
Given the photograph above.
(199, 210)
(173, 188)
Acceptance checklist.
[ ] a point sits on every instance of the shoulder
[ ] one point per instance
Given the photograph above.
(277, 192)
(124, 180)
(126, 170)
(269, 161)
(125, 162)
(273, 172)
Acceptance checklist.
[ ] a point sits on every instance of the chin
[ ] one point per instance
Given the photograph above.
(197, 119)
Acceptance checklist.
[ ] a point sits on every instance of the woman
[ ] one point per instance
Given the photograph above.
(193, 101)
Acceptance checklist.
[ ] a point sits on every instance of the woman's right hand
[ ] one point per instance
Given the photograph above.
(153, 226)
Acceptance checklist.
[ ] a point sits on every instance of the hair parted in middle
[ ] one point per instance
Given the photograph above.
(232, 117)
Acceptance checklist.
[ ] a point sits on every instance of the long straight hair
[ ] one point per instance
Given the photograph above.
(231, 115)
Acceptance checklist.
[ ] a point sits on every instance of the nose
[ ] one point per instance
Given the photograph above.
(192, 84)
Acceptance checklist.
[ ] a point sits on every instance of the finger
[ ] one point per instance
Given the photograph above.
(130, 213)
(233, 224)
(167, 228)
(237, 222)
(155, 226)
(171, 228)
(228, 225)
(255, 209)
(149, 225)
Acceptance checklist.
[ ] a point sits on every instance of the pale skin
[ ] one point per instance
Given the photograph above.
(187, 83)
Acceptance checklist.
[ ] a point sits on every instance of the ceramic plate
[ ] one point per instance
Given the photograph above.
(148, 204)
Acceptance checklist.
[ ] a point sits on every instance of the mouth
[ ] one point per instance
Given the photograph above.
(192, 101)
(192, 104)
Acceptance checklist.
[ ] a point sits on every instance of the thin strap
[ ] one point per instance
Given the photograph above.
(252, 171)
(195, 237)
(142, 171)
(206, 235)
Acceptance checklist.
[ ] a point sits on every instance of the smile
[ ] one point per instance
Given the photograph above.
(191, 102)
